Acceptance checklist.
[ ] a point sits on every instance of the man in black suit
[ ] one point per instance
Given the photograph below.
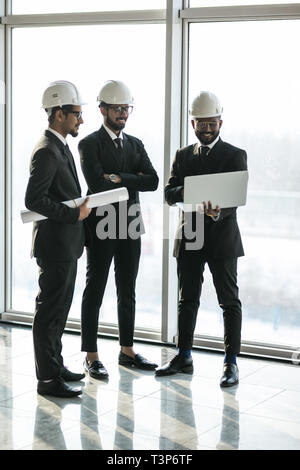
(222, 241)
(58, 241)
(111, 159)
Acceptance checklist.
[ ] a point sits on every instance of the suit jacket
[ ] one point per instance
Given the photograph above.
(222, 238)
(99, 156)
(53, 179)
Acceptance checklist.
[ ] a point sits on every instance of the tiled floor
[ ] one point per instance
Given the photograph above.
(135, 410)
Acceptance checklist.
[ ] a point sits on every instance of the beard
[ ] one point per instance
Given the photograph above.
(74, 133)
(115, 126)
(206, 137)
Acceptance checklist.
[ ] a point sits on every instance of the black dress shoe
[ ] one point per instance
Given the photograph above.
(96, 370)
(57, 388)
(69, 376)
(137, 361)
(177, 364)
(230, 376)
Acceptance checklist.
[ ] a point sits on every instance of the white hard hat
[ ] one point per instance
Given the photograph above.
(115, 92)
(61, 93)
(205, 105)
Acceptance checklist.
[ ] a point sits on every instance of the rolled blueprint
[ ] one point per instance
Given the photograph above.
(96, 200)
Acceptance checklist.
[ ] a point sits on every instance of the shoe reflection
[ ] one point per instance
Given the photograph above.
(98, 399)
(124, 430)
(230, 430)
(49, 422)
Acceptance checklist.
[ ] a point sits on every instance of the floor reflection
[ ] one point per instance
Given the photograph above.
(134, 410)
(47, 430)
(230, 430)
(89, 421)
(124, 431)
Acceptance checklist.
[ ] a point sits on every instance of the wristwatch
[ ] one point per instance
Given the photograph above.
(113, 178)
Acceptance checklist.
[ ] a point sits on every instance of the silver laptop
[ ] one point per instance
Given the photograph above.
(222, 189)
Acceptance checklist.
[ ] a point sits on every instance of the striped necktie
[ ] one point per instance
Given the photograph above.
(118, 142)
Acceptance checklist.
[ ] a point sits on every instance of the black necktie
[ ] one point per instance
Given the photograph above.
(117, 141)
(204, 150)
(70, 156)
(72, 163)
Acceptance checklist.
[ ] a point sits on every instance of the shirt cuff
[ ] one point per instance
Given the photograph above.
(216, 217)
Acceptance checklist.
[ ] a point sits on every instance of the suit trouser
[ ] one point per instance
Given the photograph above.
(126, 254)
(53, 302)
(190, 269)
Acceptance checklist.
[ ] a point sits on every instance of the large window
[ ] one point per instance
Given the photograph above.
(83, 55)
(244, 51)
(253, 67)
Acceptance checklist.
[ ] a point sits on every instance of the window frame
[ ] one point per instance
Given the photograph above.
(232, 14)
(10, 22)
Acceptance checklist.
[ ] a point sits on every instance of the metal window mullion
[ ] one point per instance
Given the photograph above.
(242, 13)
(173, 86)
(185, 83)
(251, 348)
(85, 18)
(8, 165)
(7, 7)
(2, 164)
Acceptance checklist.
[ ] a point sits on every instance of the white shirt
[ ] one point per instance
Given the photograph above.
(211, 145)
(58, 135)
(112, 135)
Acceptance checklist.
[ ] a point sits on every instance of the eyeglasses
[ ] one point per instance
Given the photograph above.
(121, 109)
(77, 114)
(205, 124)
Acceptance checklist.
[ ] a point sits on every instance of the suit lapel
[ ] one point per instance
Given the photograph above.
(114, 152)
(211, 162)
(126, 152)
(71, 162)
(67, 152)
(217, 148)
